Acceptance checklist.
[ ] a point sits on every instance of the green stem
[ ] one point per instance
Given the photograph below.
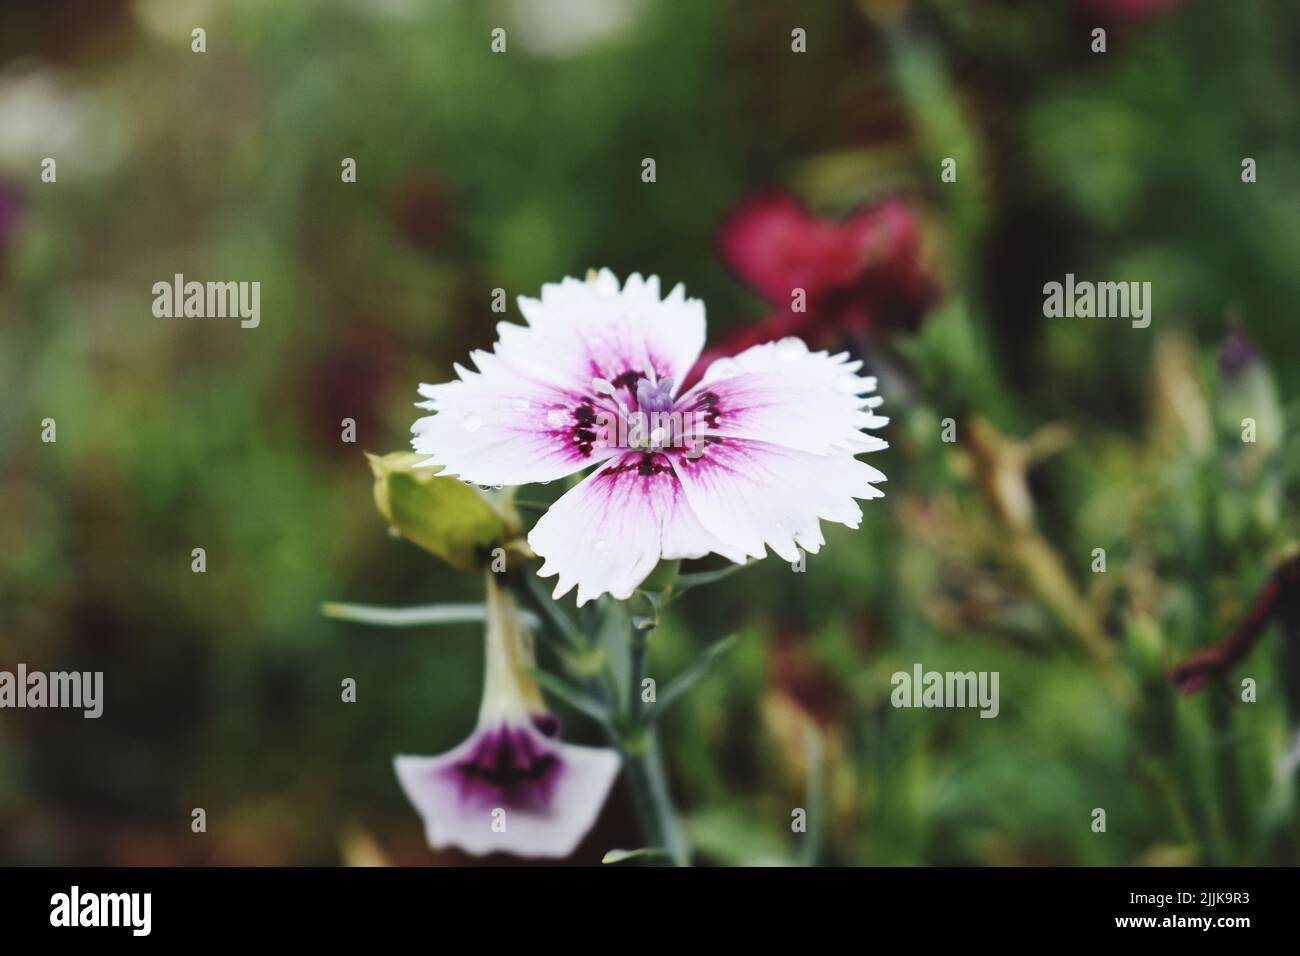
(643, 761)
(645, 775)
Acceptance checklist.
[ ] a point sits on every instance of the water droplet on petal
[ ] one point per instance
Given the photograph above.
(599, 545)
(791, 348)
(471, 422)
(723, 368)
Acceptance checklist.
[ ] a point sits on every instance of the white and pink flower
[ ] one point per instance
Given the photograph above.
(754, 456)
(512, 787)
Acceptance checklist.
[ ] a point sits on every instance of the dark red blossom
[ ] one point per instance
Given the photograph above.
(826, 279)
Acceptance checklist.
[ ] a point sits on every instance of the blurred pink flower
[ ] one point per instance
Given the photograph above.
(826, 278)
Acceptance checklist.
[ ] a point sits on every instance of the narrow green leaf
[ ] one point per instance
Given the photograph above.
(612, 638)
(693, 674)
(555, 614)
(415, 616)
(577, 699)
(686, 582)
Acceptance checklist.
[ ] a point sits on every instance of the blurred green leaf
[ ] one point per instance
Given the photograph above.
(685, 582)
(696, 672)
(735, 835)
(815, 798)
(414, 616)
(561, 621)
(577, 699)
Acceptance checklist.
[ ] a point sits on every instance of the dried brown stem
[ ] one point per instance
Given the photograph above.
(1215, 660)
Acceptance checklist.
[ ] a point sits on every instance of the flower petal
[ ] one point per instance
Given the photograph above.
(508, 789)
(785, 395)
(608, 533)
(580, 330)
(506, 425)
(530, 412)
(752, 494)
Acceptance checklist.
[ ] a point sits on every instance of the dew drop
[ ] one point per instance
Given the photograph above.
(471, 422)
(723, 368)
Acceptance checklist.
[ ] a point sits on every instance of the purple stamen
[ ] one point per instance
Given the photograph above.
(652, 398)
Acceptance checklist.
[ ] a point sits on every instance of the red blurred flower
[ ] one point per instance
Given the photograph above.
(860, 274)
(808, 685)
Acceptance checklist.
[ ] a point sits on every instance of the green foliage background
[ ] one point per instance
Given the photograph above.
(478, 171)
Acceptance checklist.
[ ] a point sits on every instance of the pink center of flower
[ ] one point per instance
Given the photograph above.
(647, 465)
(637, 413)
(508, 767)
